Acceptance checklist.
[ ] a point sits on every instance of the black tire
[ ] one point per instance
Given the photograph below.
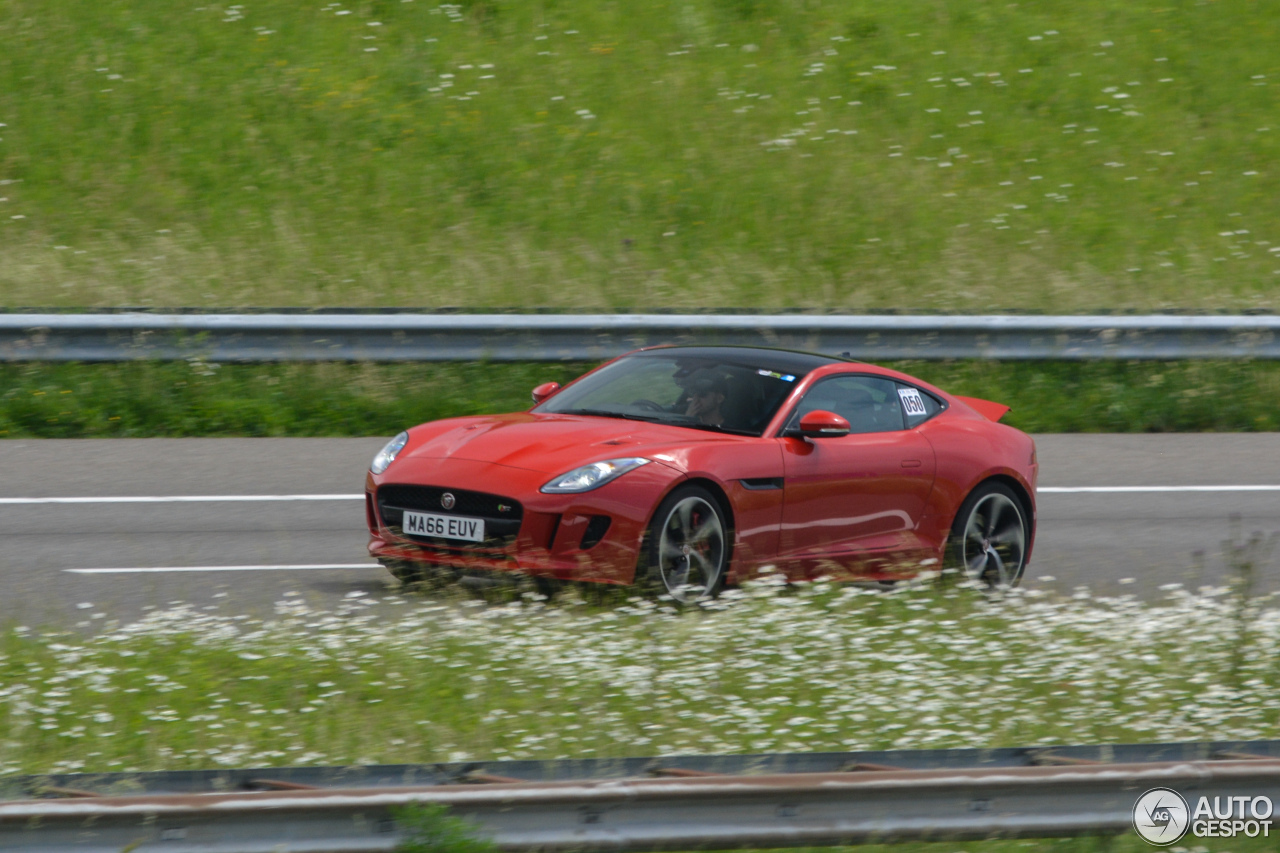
(547, 587)
(406, 573)
(420, 575)
(989, 537)
(686, 547)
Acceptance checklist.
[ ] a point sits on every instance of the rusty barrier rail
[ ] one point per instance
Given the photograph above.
(413, 337)
(228, 779)
(681, 812)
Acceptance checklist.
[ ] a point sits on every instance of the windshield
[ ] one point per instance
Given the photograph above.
(701, 392)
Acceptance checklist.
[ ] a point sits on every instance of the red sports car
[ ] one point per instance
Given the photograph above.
(683, 469)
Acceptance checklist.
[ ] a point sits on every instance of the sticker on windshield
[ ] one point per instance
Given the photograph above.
(912, 402)
(785, 377)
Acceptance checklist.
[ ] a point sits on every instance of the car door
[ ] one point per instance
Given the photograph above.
(851, 504)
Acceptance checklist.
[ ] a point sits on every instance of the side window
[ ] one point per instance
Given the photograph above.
(917, 406)
(868, 403)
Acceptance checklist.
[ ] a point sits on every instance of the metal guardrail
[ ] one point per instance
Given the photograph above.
(388, 775)
(705, 812)
(410, 337)
(1044, 792)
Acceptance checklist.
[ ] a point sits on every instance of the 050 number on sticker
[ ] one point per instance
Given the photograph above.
(912, 403)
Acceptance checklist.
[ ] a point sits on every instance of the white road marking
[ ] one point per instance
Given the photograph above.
(161, 499)
(137, 570)
(1068, 490)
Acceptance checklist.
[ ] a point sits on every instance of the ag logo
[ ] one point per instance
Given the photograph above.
(1161, 816)
(447, 500)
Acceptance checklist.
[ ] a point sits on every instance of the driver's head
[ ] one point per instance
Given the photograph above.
(706, 381)
(706, 390)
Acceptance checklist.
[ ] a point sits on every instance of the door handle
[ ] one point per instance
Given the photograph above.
(911, 463)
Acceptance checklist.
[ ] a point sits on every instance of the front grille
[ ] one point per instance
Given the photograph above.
(501, 515)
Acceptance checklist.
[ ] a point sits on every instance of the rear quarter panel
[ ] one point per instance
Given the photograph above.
(970, 450)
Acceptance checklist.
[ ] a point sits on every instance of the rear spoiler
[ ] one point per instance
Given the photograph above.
(989, 410)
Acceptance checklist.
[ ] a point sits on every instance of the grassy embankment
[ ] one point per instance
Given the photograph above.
(834, 155)
(837, 154)
(761, 670)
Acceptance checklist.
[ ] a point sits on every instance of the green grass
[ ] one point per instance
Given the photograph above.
(816, 668)
(198, 399)
(432, 829)
(844, 154)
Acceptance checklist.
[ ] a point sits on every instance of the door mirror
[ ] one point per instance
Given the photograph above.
(821, 424)
(545, 390)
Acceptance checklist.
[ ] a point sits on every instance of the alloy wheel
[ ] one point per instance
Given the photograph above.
(994, 544)
(691, 550)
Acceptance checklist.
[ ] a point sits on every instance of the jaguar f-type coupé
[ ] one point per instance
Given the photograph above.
(685, 469)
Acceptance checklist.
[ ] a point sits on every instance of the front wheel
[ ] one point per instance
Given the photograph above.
(686, 552)
(989, 537)
(419, 575)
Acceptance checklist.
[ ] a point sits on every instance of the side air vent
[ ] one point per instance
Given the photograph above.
(761, 483)
(597, 527)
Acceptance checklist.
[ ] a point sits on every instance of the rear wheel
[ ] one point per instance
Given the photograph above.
(686, 551)
(989, 537)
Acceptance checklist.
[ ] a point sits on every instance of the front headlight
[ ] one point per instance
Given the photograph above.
(592, 476)
(388, 454)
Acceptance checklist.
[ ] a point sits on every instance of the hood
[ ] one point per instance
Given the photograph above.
(550, 444)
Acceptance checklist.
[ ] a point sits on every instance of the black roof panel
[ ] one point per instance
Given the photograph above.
(781, 360)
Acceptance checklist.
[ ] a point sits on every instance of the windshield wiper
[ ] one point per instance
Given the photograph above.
(719, 428)
(614, 413)
(670, 420)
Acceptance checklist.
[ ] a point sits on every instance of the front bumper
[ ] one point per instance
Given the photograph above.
(558, 536)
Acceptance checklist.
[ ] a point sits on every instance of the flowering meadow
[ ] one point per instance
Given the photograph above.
(834, 154)
(763, 669)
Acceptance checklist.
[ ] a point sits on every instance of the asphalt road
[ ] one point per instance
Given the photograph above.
(1109, 541)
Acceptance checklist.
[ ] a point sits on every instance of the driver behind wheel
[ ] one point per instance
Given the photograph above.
(706, 391)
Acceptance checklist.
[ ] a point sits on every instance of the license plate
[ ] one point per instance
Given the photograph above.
(443, 526)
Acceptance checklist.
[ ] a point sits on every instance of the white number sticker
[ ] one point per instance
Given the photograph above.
(912, 403)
